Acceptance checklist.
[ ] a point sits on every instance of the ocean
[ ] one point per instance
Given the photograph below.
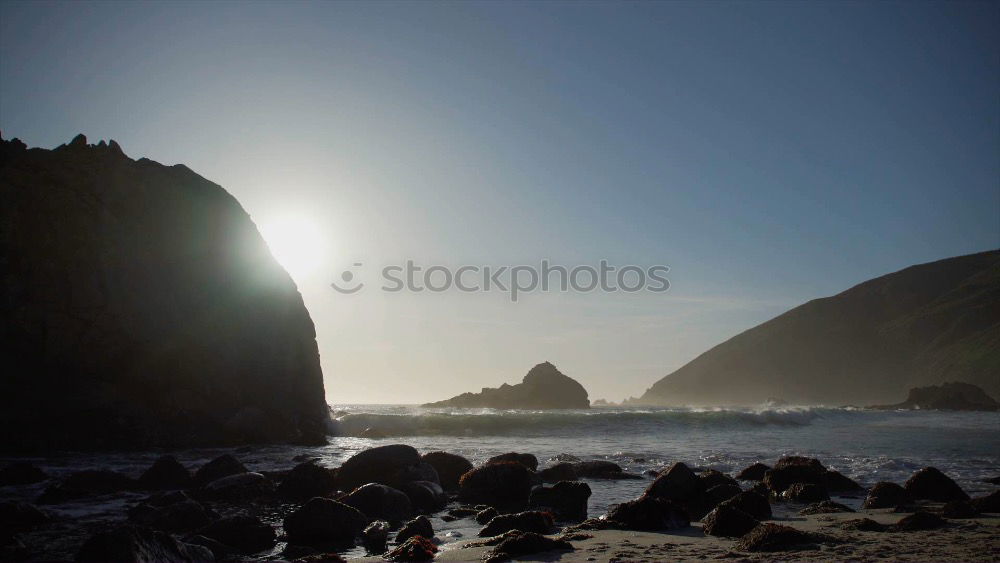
(866, 445)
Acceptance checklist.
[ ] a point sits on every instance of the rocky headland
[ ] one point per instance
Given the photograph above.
(142, 308)
(544, 387)
(955, 396)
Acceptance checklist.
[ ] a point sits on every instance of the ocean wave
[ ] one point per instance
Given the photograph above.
(487, 422)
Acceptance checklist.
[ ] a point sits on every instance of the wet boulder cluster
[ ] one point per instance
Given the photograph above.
(381, 499)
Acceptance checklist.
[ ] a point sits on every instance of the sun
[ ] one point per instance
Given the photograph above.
(296, 242)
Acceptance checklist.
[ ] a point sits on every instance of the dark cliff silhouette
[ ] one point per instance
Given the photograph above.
(141, 307)
(544, 387)
(924, 325)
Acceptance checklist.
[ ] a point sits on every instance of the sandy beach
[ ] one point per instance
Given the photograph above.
(974, 539)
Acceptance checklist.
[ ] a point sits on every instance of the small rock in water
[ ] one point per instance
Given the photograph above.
(21, 473)
(558, 472)
(754, 472)
(222, 466)
(805, 492)
(166, 473)
(486, 514)
(419, 526)
(566, 499)
(381, 502)
(375, 537)
(307, 480)
(528, 521)
(919, 521)
(527, 460)
(825, 507)
(728, 521)
(417, 548)
(931, 484)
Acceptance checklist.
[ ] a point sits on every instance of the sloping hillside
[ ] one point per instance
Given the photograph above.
(926, 324)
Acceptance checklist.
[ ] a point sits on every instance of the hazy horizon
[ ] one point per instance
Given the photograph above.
(769, 154)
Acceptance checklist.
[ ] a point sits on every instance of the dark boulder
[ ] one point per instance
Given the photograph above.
(419, 526)
(505, 486)
(239, 488)
(727, 521)
(425, 496)
(597, 469)
(794, 469)
(919, 521)
(528, 521)
(720, 493)
(752, 503)
(680, 484)
(421, 471)
(417, 548)
(180, 516)
(753, 472)
(322, 521)
(773, 537)
(527, 460)
(649, 513)
(139, 545)
(805, 492)
(379, 502)
(486, 514)
(559, 472)
(166, 473)
(931, 484)
(886, 495)
(307, 480)
(517, 543)
(450, 468)
(222, 466)
(375, 536)
(544, 387)
(567, 500)
(712, 478)
(87, 483)
(837, 482)
(21, 473)
(248, 534)
(17, 515)
(959, 509)
(989, 503)
(863, 525)
(387, 465)
(221, 551)
(825, 507)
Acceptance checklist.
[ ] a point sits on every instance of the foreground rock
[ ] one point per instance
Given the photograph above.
(886, 495)
(324, 522)
(82, 484)
(919, 521)
(392, 465)
(754, 472)
(956, 396)
(222, 466)
(419, 526)
(176, 303)
(794, 469)
(567, 500)
(825, 507)
(931, 484)
(505, 486)
(307, 480)
(21, 473)
(754, 504)
(18, 515)
(417, 548)
(528, 521)
(130, 543)
(450, 468)
(375, 537)
(989, 503)
(247, 534)
(518, 544)
(681, 485)
(649, 513)
(379, 502)
(728, 521)
(166, 473)
(773, 537)
(544, 387)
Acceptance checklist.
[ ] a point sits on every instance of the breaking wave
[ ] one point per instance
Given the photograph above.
(488, 422)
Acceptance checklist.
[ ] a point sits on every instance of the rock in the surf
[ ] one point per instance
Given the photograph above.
(567, 500)
(379, 502)
(728, 521)
(505, 486)
(324, 522)
(450, 468)
(166, 473)
(544, 387)
(930, 484)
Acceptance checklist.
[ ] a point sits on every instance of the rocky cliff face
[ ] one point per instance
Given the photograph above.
(141, 307)
(545, 387)
(924, 325)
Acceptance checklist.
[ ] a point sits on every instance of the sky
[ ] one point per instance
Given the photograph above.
(769, 153)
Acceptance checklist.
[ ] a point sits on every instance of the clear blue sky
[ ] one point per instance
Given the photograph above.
(769, 153)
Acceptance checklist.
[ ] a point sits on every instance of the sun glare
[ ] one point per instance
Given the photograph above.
(297, 243)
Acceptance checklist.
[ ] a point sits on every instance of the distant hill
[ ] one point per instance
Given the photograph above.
(544, 387)
(924, 325)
